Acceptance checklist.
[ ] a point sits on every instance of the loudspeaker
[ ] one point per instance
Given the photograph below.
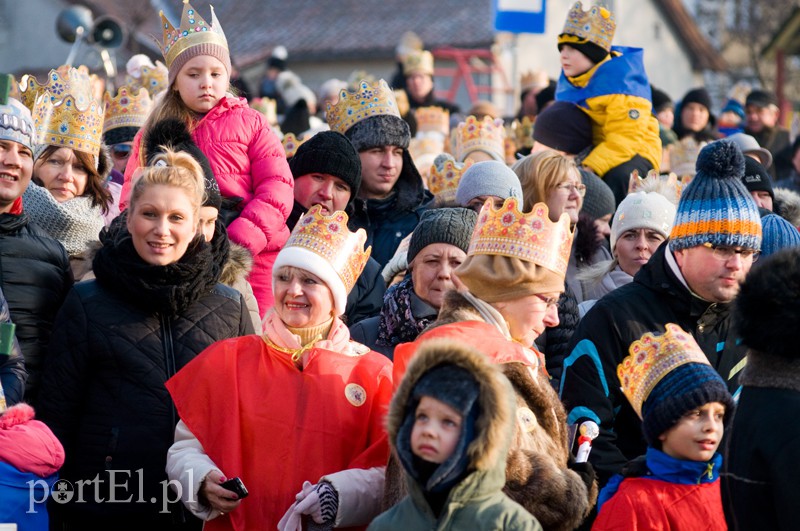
(73, 22)
(107, 32)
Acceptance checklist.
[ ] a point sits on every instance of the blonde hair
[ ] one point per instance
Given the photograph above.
(540, 173)
(176, 169)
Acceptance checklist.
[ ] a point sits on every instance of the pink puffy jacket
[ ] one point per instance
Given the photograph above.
(249, 162)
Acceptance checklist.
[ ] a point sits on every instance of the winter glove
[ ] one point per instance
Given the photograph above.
(320, 502)
(585, 471)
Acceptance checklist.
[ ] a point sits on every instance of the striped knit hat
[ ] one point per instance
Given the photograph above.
(716, 207)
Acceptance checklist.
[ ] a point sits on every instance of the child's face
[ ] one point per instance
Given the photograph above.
(697, 435)
(437, 428)
(202, 82)
(573, 62)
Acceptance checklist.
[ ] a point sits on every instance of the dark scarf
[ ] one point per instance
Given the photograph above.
(398, 324)
(166, 289)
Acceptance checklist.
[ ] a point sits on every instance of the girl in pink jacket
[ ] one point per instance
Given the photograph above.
(246, 157)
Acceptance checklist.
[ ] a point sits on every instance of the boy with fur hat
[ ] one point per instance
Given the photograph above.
(450, 424)
(684, 405)
(611, 86)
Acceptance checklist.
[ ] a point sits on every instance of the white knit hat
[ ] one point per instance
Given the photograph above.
(643, 210)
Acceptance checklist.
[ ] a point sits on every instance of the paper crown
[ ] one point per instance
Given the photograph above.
(128, 108)
(486, 135)
(329, 238)
(64, 124)
(533, 79)
(266, 106)
(426, 144)
(367, 101)
(418, 62)
(60, 82)
(683, 157)
(193, 31)
(523, 132)
(596, 25)
(444, 182)
(531, 237)
(651, 358)
(153, 79)
(290, 144)
(433, 120)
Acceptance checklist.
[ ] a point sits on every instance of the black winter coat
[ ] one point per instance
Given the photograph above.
(35, 277)
(112, 350)
(590, 389)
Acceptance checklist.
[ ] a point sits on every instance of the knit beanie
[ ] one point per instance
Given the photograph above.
(563, 126)
(193, 38)
(643, 210)
(546, 95)
(378, 131)
(734, 106)
(278, 57)
(778, 234)
(331, 153)
(119, 135)
(488, 177)
(661, 100)
(16, 124)
(699, 95)
(756, 178)
(716, 207)
(599, 199)
(761, 98)
(443, 225)
(591, 50)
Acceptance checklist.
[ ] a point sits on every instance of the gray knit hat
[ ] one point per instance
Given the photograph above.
(488, 177)
(443, 225)
(599, 199)
(378, 131)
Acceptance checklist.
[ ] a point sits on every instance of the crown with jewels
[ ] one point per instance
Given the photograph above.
(329, 238)
(128, 108)
(152, 79)
(193, 31)
(368, 100)
(60, 81)
(531, 237)
(651, 358)
(64, 124)
(533, 79)
(419, 61)
(444, 182)
(290, 144)
(596, 25)
(433, 120)
(474, 134)
(523, 132)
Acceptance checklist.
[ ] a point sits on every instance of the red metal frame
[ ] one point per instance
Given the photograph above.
(464, 70)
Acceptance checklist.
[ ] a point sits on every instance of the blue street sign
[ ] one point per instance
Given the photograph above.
(519, 16)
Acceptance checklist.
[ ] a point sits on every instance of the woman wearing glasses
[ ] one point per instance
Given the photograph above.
(510, 283)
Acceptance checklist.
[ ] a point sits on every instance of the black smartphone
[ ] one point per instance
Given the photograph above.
(236, 486)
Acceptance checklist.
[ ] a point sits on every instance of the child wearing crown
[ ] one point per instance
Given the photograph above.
(247, 158)
(611, 86)
(684, 406)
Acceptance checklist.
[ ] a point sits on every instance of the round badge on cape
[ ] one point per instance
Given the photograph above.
(633, 114)
(355, 394)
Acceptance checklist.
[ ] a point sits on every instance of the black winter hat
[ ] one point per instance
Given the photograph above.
(594, 52)
(761, 98)
(563, 126)
(546, 95)
(756, 178)
(173, 133)
(443, 225)
(332, 153)
(699, 95)
(118, 135)
(661, 100)
(378, 131)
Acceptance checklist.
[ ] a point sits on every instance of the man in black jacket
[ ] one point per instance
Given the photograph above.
(34, 269)
(689, 281)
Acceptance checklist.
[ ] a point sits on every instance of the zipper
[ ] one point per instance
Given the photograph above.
(169, 360)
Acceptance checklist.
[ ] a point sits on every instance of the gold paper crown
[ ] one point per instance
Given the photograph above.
(523, 132)
(596, 25)
(486, 135)
(329, 238)
(367, 101)
(152, 79)
(65, 125)
(418, 62)
(651, 358)
(128, 108)
(444, 182)
(192, 32)
(533, 79)
(531, 237)
(425, 145)
(266, 106)
(60, 82)
(433, 119)
(290, 144)
(683, 158)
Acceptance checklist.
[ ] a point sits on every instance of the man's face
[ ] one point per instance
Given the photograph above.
(323, 189)
(759, 117)
(710, 275)
(380, 169)
(419, 85)
(16, 168)
(762, 199)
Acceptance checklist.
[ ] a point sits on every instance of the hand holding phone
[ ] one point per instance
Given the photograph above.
(236, 486)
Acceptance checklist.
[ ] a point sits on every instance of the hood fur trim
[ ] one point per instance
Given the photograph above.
(238, 265)
(787, 205)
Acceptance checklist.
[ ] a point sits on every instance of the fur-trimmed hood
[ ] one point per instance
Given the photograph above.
(493, 428)
(787, 205)
(238, 265)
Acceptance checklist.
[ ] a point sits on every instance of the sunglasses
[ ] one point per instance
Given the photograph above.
(121, 151)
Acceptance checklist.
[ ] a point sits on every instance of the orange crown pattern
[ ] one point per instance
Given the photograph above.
(192, 31)
(128, 108)
(433, 120)
(152, 79)
(531, 237)
(290, 144)
(368, 100)
(330, 239)
(596, 25)
(487, 135)
(651, 358)
(444, 183)
(60, 82)
(66, 125)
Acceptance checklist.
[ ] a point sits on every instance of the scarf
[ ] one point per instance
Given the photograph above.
(277, 335)
(169, 289)
(398, 324)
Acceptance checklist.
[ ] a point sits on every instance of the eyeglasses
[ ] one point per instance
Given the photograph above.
(720, 252)
(569, 187)
(550, 301)
(121, 151)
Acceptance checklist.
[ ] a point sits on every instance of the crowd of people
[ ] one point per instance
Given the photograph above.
(231, 313)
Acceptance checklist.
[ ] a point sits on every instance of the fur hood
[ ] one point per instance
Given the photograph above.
(787, 205)
(238, 265)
